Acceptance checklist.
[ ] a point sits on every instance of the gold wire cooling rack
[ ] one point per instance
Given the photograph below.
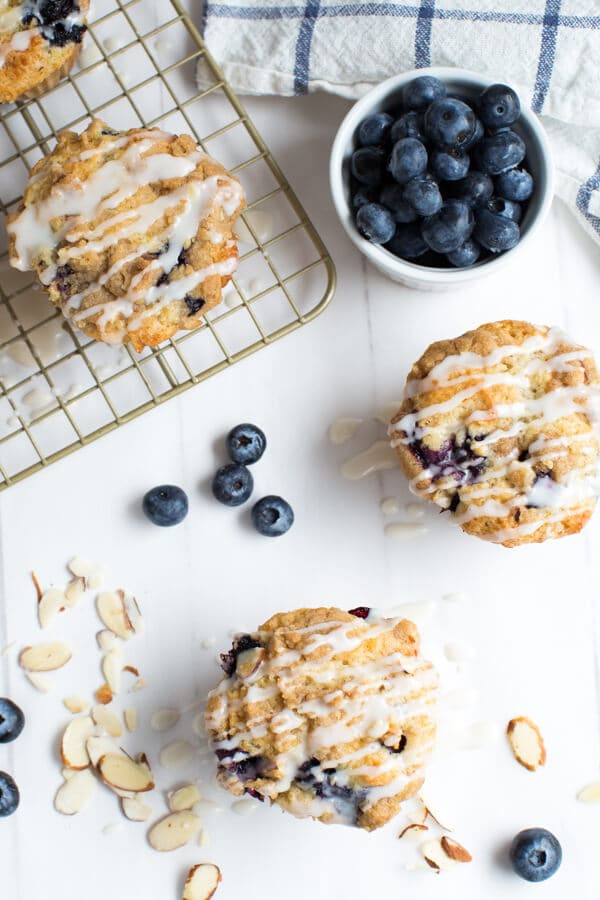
(59, 390)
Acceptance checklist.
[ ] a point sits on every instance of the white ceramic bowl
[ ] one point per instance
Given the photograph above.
(386, 97)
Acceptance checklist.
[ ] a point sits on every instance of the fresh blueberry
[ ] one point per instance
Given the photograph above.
(165, 505)
(408, 159)
(407, 243)
(449, 228)
(507, 208)
(246, 444)
(375, 223)
(423, 195)
(12, 721)
(449, 165)
(9, 795)
(499, 152)
(408, 125)
(535, 854)
(392, 197)
(272, 516)
(422, 91)
(516, 184)
(374, 130)
(450, 123)
(498, 106)
(368, 164)
(232, 484)
(475, 189)
(495, 232)
(363, 195)
(465, 255)
(241, 642)
(476, 136)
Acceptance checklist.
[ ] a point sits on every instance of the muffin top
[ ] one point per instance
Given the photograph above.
(500, 427)
(129, 232)
(326, 713)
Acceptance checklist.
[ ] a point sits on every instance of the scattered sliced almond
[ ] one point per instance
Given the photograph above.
(104, 694)
(51, 602)
(183, 798)
(107, 640)
(131, 719)
(112, 666)
(97, 747)
(132, 670)
(435, 856)
(164, 719)
(118, 771)
(176, 754)
(418, 815)
(83, 568)
(120, 613)
(526, 743)
(108, 720)
(202, 882)
(203, 838)
(248, 662)
(139, 685)
(37, 586)
(76, 705)
(432, 812)
(68, 773)
(135, 809)
(74, 591)
(39, 682)
(45, 657)
(590, 793)
(413, 831)
(455, 850)
(73, 747)
(174, 831)
(95, 580)
(75, 794)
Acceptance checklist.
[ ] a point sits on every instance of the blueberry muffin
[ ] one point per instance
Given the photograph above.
(39, 42)
(500, 428)
(130, 233)
(327, 713)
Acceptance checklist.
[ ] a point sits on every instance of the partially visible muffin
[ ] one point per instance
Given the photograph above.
(500, 428)
(130, 233)
(327, 713)
(39, 42)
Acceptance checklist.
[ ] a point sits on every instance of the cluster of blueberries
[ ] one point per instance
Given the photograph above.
(12, 722)
(232, 485)
(442, 182)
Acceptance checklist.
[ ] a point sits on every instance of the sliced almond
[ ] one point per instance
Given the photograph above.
(120, 613)
(118, 771)
(112, 666)
(83, 568)
(37, 586)
(139, 685)
(203, 838)
(39, 682)
(104, 694)
(455, 850)
(413, 831)
(135, 809)
(590, 793)
(73, 747)
(74, 591)
(107, 640)
(248, 662)
(526, 743)
(176, 754)
(45, 657)
(95, 580)
(435, 856)
(97, 747)
(433, 812)
(132, 670)
(202, 882)
(183, 798)
(76, 705)
(51, 602)
(165, 718)
(108, 720)
(68, 773)
(131, 718)
(174, 831)
(75, 794)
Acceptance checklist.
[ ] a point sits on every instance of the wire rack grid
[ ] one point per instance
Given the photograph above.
(58, 389)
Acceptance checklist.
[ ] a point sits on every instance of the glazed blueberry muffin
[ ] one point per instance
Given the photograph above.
(500, 428)
(130, 233)
(327, 713)
(39, 42)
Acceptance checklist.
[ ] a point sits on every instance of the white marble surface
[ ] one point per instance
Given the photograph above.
(531, 614)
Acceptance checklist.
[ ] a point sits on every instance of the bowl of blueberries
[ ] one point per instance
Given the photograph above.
(440, 176)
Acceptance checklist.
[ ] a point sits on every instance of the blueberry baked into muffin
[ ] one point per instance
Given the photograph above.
(328, 714)
(39, 42)
(130, 233)
(500, 428)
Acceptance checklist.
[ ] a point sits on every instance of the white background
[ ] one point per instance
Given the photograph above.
(531, 613)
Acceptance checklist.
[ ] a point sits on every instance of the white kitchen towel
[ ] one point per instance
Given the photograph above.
(548, 49)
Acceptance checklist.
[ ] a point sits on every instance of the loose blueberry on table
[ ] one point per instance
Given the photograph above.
(535, 854)
(165, 505)
(12, 721)
(246, 444)
(272, 516)
(440, 180)
(233, 484)
(9, 795)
